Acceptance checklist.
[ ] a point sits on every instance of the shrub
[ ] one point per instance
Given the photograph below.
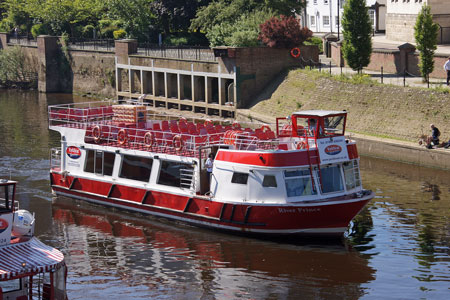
(38, 29)
(14, 67)
(119, 34)
(314, 40)
(186, 38)
(88, 31)
(176, 40)
(283, 32)
(107, 28)
(242, 33)
(5, 25)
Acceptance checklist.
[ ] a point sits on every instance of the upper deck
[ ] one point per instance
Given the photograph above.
(134, 126)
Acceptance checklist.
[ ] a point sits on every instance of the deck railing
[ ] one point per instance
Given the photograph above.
(165, 133)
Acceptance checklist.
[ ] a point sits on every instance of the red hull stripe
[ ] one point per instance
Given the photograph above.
(325, 215)
(37, 257)
(276, 159)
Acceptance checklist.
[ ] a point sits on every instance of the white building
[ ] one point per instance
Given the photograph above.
(323, 15)
(402, 14)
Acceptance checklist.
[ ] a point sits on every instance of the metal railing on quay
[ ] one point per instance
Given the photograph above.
(178, 52)
(91, 44)
(23, 40)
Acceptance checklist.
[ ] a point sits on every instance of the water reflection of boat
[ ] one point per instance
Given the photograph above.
(146, 251)
(29, 269)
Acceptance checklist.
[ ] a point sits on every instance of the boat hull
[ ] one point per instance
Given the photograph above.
(329, 217)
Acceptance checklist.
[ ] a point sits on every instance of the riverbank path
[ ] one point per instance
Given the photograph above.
(379, 41)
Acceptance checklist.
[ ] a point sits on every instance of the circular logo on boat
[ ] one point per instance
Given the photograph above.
(333, 149)
(3, 225)
(73, 152)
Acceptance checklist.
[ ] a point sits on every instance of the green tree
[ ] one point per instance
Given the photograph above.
(15, 14)
(356, 29)
(229, 11)
(425, 33)
(175, 15)
(136, 16)
(242, 33)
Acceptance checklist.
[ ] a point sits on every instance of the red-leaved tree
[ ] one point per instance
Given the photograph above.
(283, 32)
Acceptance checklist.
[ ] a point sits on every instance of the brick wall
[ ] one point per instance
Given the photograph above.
(265, 63)
(389, 60)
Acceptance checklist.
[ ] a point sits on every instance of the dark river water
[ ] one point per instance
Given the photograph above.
(397, 248)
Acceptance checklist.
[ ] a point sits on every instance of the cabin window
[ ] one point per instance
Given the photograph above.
(240, 178)
(334, 125)
(173, 173)
(269, 181)
(136, 168)
(6, 198)
(298, 183)
(99, 162)
(331, 179)
(351, 174)
(10, 285)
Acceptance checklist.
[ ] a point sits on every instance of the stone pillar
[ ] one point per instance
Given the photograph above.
(405, 49)
(124, 48)
(49, 74)
(4, 39)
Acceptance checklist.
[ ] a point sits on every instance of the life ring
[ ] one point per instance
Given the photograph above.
(207, 122)
(148, 139)
(122, 136)
(236, 125)
(177, 142)
(265, 128)
(295, 52)
(301, 145)
(96, 133)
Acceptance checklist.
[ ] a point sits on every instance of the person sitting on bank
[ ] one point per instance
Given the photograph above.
(433, 140)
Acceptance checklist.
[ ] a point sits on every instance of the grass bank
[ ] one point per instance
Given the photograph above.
(375, 109)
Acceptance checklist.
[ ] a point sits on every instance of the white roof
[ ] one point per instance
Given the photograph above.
(319, 113)
(36, 256)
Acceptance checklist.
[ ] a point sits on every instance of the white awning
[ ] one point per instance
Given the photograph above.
(31, 256)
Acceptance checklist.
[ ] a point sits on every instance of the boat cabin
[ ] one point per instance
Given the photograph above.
(29, 269)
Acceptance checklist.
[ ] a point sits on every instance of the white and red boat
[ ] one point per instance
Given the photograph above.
(299, 176)
(29, 269)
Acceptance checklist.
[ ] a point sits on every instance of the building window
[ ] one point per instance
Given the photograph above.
(240, 178)
(337, 21)
(99, 162)
(269, 181)
(312, 20)
(298, 183)
(175, 174)
(136, 168)
(372, 17)
(331, 179)
(326, 20)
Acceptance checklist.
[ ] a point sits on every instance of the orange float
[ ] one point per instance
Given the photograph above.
(96, 133)
(122, 136)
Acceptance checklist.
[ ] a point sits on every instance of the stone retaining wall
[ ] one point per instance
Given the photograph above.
(91, 71)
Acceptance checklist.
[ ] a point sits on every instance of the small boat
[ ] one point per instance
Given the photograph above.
(299, 176)
(29, 269)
